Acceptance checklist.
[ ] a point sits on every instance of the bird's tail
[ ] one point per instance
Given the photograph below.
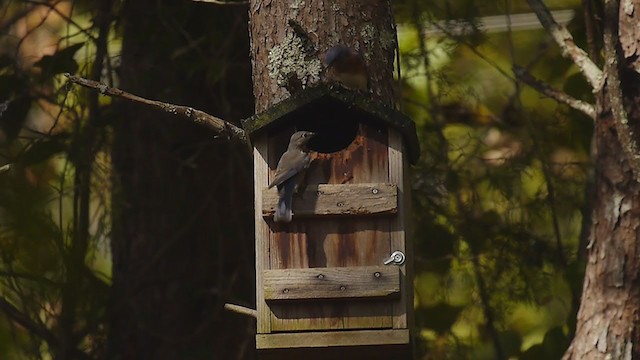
(283, 210)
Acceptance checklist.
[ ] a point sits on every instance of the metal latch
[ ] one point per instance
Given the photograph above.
(397, 258)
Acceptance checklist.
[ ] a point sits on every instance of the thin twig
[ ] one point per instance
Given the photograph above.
(523, 75)
(241, 310)
(626, 135)
(563, 38)
(199, 117)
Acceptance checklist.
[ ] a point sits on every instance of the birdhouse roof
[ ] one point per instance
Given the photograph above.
(323, 97)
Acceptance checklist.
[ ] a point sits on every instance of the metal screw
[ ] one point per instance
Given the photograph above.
(340, 204)
(343, 288)
(320, 276)
(377, 274)
(375, 191)
(286, 291)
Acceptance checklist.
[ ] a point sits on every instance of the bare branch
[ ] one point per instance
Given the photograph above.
(241, 310)
(614, 93)
(523, 75)
(563, 38)
(199, 117)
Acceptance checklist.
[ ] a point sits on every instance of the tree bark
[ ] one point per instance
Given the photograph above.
(608, 318)
(182, 204)
(280, 52)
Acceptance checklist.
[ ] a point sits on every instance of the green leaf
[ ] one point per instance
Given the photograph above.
(60, 62)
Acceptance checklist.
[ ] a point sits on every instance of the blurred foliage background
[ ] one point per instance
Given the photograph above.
(499, 193)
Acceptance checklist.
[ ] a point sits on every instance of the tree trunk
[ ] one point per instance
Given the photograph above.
(279, 52)
(608, 319)
(182, 240)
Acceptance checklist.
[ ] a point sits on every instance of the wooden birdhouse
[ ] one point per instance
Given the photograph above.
(338, 274)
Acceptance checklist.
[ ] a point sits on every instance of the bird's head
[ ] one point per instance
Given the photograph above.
(300, 138)
(336, 53)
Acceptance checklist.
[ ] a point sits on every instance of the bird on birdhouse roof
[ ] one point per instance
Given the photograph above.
(346, 66)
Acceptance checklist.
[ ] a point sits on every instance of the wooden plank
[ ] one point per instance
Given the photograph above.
(331, 283)
(320, 244)
(397, 167)
(363, 245)
(338, 199)
(376, 245)
(260, 180)
(332, 338)
(334, 241)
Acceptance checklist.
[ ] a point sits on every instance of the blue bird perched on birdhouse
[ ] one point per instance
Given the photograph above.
(290, 168)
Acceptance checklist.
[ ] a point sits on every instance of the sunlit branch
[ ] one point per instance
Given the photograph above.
(523, 75)
(199, 117)
(626, 135)
(565, 41)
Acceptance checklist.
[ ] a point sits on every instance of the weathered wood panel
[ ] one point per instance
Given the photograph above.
(260, 180)
(334, 242)
(397, 164)
(342, 199)
(332, 338)
(332, 283)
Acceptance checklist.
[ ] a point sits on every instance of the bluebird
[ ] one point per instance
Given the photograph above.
(347, 67)
(289, 172)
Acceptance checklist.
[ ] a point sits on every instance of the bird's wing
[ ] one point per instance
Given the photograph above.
(291, 163)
